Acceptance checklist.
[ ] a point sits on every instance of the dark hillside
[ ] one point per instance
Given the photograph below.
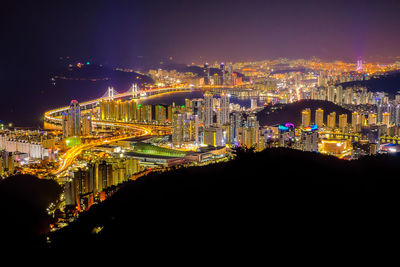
(272, 194)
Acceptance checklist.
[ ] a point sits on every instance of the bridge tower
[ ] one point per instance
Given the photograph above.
(110, 93)
(134, 90)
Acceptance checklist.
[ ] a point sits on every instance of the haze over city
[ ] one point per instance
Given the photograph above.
(121, 33)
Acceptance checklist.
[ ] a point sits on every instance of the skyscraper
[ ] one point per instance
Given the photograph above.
(372, 119)
(319, 117)
(177, 129)
(306, 117)
(331, 93)
(386, 118)
(208, 109)
(224, 105)
(75, 112)
(331, 121)
(342, 121)
(355, 121)
(87, 125)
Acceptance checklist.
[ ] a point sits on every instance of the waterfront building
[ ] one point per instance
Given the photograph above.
(319, 117)
(331, 121)
(306, 118)
(342, 122)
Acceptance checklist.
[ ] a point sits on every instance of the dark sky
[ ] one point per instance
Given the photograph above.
(35, 33)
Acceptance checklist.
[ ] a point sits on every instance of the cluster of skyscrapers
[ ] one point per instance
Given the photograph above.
(75, 124)
(210, 121)
(92, 184)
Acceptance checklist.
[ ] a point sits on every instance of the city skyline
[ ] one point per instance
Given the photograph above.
(158, 121)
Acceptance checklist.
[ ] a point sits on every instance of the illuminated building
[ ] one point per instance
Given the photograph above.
(359, 65)
(338, 148)
(253, 103)
(7, 163)
(319, 117)
(212, 136)
(339, 95)
(286, 135)
(66, 123)
(177, 129)
(234, 125)
(188, 104)
(356, 122)
(397, 115)
(249, 134)
(224, 106)
(112, 110)
(331, 120)
(75, 113)
(160, 114)
(331, 93)
(386, 118)
(372, 119)
(87, 184)
(197, 108)
(309, 139)
(342, 121)
(194, 129)
(87, 125)
(379, 113)
(348, 96)
(306, 118)
(208, 109)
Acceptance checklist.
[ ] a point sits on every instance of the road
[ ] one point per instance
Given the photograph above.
(69, 157)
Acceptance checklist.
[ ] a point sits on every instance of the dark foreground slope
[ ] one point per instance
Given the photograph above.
(276, 194)
(23, 203)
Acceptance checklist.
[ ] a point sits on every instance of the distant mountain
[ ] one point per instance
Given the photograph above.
(194, 69)
(94, 72)
(389, 83)
(283, 113)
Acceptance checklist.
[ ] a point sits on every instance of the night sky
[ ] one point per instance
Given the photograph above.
(37, 33)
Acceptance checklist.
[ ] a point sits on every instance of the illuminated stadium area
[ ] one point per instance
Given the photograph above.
(151, 150)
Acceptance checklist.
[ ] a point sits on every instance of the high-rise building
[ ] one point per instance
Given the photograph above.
(379, 115)
(197, 105)
(212, 136)
(342, 121)
(233, 130)
(177, 129)
(208, 109)
(194, 129)
(306, 118)
(348, 96)
(356, 122)
(224, 106)
(372, 119)
(87, 128)
(253, 103)
(331, 93)
(309, 141)
(386, 118)
(319, 117)
(160, 114)
(75, 112)
(397, 115)
(339, 95)
(331, 121)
